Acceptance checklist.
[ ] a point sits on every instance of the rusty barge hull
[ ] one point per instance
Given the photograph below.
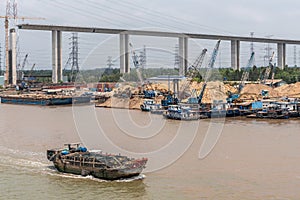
(98, 165)
(101, 173)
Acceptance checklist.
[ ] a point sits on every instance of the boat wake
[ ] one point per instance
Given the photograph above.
(35, 162)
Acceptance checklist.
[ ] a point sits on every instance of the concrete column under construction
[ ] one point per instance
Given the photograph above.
(235, 54)
(59, 56)
(183, 53)
(281, 55)
(54, 57)
(12, 78)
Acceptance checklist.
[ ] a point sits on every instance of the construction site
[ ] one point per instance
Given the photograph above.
(194, 84)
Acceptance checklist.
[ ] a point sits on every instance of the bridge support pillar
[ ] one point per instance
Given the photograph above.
(124, 53)
(12, 54)
(54, 57)
(57, 56)
(235, 54)
(281, 55)
(183, 55)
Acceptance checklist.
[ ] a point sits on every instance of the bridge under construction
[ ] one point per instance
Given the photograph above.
(183, 39)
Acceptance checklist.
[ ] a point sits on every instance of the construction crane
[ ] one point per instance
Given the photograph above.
(232, 97)
(268, 70)
(194, 68)
(7, 17)
(193, 72)
(273, 73)
(136, 63)
(20, 74)
(209, 68)
(30, 73)
(245, 74)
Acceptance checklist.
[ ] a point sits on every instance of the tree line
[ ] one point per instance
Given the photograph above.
(288, 74)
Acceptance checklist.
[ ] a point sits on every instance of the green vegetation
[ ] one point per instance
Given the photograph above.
(288, 74)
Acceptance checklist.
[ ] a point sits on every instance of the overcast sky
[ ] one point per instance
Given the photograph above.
(277, 18)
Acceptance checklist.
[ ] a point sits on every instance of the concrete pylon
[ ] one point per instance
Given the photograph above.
(235, 54)
(281, 55)
(54, 57)
(124, 53)
(59, 56)
(183, 55)
(12, 77)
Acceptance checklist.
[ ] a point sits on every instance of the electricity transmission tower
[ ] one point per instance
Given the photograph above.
(109, 62)
(268, 51)
(73, 57)
(142, 58)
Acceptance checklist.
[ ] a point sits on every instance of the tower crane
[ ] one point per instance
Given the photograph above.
(6, 18)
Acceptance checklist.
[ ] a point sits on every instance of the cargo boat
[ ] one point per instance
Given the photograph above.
(44, 101)
(271, 113)
(77, 160)
(179, 112)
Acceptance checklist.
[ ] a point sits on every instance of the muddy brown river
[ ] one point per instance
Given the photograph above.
(243, 158)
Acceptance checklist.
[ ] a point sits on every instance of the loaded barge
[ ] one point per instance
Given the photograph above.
(44, 100)
(76, 159)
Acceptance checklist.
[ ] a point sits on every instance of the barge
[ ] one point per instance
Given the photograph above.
(44, 100)
(77, 160)
(179, 112)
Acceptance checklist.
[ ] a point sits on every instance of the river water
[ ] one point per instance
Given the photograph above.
(252, 159)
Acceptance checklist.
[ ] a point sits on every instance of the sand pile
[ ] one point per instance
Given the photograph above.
(289, 90)
(214, 91)
(156, 86)
(253, 91)
(115, 102)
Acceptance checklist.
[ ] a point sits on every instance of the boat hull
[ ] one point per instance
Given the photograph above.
(45, 101)
(77, 160)
(101, 173)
